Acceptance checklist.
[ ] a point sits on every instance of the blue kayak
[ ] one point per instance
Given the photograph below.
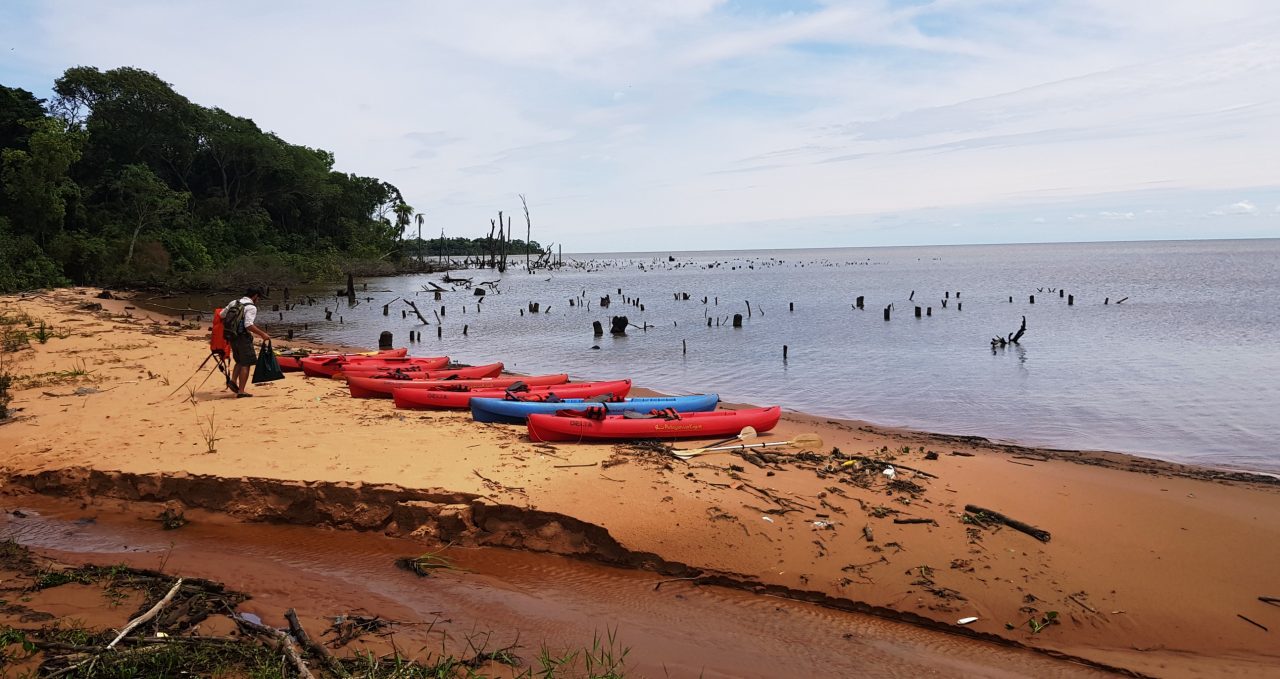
(515, 412)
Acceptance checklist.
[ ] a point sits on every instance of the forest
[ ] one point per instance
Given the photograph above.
(118, 179)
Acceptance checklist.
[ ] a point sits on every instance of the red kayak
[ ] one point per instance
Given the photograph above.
(414, 372)
(293, 362)
(327, 367)
(425, 399)
(382, 387)
(683, 425)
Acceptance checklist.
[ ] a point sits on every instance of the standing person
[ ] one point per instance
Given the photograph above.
(238, 327)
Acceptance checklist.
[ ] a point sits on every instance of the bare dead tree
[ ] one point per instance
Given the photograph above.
(528, 233)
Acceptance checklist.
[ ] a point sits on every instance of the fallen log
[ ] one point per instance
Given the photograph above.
(1039, 534)
(318, 650)
(916, 521)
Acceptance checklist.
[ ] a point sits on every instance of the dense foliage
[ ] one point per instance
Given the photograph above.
(120, 179)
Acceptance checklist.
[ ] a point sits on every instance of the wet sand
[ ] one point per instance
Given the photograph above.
(1149, 566)
(672, 628)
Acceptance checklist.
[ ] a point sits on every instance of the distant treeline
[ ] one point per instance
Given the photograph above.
(464, 247)
(118, 179)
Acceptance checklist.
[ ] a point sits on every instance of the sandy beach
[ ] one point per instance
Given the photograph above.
(1151, 567)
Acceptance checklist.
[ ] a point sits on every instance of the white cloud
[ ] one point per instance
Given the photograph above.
(1113, 215)
(1244, 207)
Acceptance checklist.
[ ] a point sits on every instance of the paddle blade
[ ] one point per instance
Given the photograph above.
(807, 441)
(748, 434)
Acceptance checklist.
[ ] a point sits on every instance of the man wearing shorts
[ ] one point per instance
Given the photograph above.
(238, 328)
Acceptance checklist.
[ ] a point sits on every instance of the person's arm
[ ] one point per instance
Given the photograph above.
(250, 323)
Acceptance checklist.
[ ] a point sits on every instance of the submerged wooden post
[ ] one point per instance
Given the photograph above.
(684, 347)
(858, 303)
(791, 306)
(464, 329)
(1061, 292)
(886, 312)
(385, 339)
(917, 312)
(437, 295)
(439, 332)
(288, 334)
(597, 329)
(737, 320)
(328, 315)
(928, 311)
(1071, 300)
(784, 352)
(748, 308)
(959, 306)
(618, 325)
(1033, 299)
(708, 321)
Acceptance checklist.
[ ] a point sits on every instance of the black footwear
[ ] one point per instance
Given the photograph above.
(243, 394)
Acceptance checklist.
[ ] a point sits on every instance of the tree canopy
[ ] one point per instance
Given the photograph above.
(121, 179)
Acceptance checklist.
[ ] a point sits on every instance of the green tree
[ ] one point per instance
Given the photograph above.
(146, 202)
(36, 183)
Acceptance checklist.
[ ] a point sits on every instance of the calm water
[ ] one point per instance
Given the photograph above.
(1187, 368)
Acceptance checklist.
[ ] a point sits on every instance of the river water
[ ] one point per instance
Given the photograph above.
(672, 629)
(1186, 368)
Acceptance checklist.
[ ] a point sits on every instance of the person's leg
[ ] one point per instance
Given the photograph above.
(242, 377)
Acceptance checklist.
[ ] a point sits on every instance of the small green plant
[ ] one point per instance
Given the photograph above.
(14, 340)
(6, 381)
(43, 334)
(1037, 624)
(14, 637)
(208, 433)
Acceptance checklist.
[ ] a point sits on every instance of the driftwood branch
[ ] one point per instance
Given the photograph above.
(1041, 535)
(151, 613)
(319, 651)
(415, 311)
(289, 649)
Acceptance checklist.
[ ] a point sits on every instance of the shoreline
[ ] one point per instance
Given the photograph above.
(753, 519)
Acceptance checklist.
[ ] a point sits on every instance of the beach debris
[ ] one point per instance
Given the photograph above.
(1255, 623)
(982, 513)
(766, 518)
(423, 565)
(912, 521)
(966, 621)
(1082, 604)
(309, 645)
(172, 520)
(889, 472)
(1274, 601)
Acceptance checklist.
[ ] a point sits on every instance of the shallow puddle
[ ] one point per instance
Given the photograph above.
(673, 629)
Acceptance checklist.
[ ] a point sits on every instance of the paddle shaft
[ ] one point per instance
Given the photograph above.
(741, 446)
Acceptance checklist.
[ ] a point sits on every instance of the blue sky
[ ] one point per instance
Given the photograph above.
(752, 123)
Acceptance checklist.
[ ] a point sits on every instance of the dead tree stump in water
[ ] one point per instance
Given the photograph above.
(618, 325)
(886, 312)
(385, 339)
(597, 329)
(858, 302)
(737, 320)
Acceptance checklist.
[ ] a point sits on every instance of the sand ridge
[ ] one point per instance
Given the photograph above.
(1149, 565)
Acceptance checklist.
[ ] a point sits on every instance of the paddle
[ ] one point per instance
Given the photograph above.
(801, 440)
(748, 433)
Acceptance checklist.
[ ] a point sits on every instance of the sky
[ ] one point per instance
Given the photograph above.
(729, 124)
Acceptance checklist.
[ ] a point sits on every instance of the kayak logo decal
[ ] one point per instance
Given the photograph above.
(677, 427)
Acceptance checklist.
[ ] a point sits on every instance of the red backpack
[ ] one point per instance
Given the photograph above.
(218, 343)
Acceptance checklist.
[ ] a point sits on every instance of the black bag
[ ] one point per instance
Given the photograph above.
(268, 368)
